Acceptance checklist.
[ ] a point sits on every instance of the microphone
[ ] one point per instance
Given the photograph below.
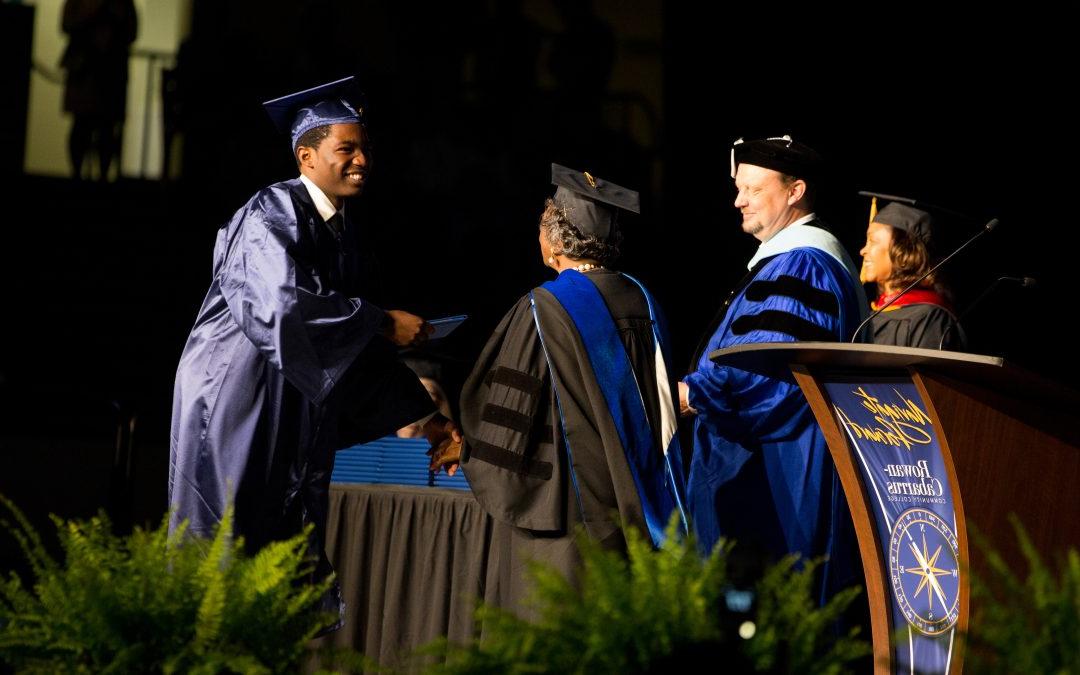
(989, 227)
(1025, 282)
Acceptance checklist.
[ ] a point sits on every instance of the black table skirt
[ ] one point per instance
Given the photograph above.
(412, 563)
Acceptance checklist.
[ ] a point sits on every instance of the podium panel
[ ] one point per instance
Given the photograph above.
(924, 440)
(896, 465)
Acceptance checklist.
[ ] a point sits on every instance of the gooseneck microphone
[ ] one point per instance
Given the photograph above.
(989, 227)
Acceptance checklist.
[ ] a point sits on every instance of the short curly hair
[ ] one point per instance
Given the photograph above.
(312, 138)
(566, 239)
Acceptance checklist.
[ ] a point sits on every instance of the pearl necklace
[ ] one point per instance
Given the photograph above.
(585, 267)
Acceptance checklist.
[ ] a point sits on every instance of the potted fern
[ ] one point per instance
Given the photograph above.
(155, 602)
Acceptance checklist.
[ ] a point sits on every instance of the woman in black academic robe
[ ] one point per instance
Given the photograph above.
(545, 451)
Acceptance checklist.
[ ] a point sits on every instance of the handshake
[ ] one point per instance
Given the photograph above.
(445, 439)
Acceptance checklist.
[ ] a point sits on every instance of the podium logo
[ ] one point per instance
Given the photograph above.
(899, 424)
(924, 570)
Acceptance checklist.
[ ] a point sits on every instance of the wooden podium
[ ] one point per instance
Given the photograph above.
(924, 442)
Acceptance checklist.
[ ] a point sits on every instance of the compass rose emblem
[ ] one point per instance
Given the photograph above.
(924, 569)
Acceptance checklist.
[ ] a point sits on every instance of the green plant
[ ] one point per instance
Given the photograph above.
(794, 635)
(151, 602)
(1025, 624)
(657, 610)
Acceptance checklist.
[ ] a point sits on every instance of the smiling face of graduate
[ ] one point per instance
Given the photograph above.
(339, 163)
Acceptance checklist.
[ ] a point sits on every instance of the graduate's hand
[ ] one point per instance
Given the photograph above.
(445, 438)
(405, 329)
(447, 455)
(439, 428)
(684, 401)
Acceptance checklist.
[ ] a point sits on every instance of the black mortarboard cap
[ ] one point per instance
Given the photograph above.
(779, 153)
(296, 114)
(916, 222)
(591, 203)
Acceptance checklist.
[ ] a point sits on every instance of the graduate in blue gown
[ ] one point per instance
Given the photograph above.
(761, 472)
(287, 361)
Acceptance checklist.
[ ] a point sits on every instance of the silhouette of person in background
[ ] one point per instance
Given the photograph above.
(95, 90)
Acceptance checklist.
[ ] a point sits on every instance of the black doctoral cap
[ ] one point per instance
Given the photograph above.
(592, 204)
(779, 153)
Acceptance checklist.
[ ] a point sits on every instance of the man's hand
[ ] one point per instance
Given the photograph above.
(684, 401)
(404, 329)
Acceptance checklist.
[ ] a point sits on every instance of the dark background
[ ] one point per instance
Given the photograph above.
(469, 103)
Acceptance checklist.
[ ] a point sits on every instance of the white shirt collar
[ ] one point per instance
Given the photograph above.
(323, 205)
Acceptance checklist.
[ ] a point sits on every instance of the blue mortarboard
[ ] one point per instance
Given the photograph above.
(296, 114)
(588, 201)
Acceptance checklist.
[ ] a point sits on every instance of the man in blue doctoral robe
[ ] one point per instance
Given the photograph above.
(287, 362)
(761, 472)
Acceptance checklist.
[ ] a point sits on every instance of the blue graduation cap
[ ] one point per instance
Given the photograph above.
(296, 114)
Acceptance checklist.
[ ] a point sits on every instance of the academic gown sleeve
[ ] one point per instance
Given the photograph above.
(311, 335)
(506, 411)
(797, 298)
(379, 395)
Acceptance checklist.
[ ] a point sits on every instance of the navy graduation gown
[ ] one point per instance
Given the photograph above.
(283, 354)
